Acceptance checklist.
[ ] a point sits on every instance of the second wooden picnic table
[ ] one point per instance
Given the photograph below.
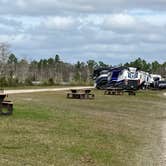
(80, 94)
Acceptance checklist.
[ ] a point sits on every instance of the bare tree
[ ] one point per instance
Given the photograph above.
(4, 53)
(22, 70)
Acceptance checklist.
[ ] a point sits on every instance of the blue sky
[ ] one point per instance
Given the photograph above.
(113, 31)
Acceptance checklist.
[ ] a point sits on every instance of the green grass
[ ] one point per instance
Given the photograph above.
(48, 129)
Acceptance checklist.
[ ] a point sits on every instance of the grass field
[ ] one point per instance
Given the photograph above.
(48, 129)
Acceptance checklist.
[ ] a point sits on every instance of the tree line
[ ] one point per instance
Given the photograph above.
(54, 71)
(154, 67)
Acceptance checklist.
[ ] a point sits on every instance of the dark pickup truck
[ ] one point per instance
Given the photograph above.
(162, 84)
(159, 84)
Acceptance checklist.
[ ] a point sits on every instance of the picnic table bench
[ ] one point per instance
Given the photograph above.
(119, 91)
(131, 92)
(113, 91)
(80, 94)
(6, 107)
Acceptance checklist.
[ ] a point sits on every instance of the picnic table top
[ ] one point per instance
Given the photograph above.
(114, 88)
(80, 90)
(2, 94)
(78, 93)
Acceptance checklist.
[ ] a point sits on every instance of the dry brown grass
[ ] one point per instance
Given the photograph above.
(48, 129)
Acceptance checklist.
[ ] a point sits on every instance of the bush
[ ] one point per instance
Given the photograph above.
(3, 82)
(50, 81)
(13, 82)
(28, 81)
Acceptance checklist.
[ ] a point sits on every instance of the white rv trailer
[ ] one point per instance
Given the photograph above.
(128, 73)
(144, 79)
(132, 74)
(124, 77)
(101, 79)
(148, 80)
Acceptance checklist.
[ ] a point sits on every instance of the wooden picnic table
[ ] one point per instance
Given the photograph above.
(6, 107)
(80, 94)
(119, 91)
(113, 91)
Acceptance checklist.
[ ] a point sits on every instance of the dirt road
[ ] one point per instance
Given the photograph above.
(45, 90)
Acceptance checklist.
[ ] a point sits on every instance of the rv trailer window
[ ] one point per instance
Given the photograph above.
(129, 75)
(136, 75)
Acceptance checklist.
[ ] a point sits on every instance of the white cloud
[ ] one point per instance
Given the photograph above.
(21, 4)
(59, 23)
(81, 28)
(119, 22)
(52, 7)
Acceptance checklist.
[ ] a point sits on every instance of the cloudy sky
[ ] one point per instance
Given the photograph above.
(113, 31)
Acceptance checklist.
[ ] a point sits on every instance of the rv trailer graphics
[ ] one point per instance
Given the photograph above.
(125, 77)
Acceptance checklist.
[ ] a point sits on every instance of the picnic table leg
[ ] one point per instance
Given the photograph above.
(131, 93)
(81, 96)
(0, 108)
(7, 108)
(78, 96)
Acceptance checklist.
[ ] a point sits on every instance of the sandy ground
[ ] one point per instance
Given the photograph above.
(163, 134)
(45, 90)
(163, 157)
